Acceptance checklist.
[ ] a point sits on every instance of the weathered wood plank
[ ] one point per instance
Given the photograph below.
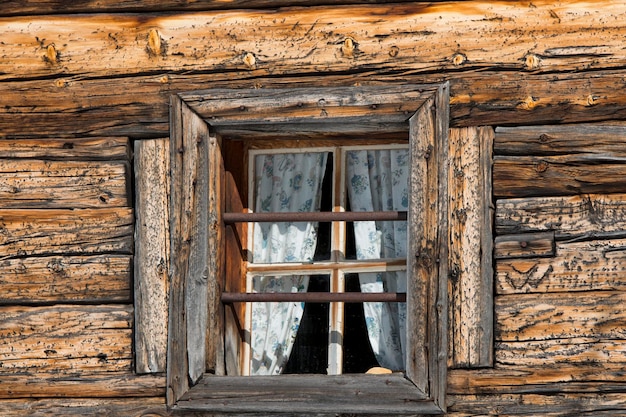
(65, 339)
(30, 183)
(100, 278)
(586, 351)
(540, 379)
(578, 266)
(528, 245)
(39, 7)
(563, 37)
(470, 239)
(599, 140)
(87, 106)
(592, 215)
(108, 407)
(88, 385)
(377, 394)
(58, 231)
(524, 317)
(562, 405)
(109, 148)
(151, 287)
(517, 176)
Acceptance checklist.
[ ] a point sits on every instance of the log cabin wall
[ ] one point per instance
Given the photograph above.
(82, 84)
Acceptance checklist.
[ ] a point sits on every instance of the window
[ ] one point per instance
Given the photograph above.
(202, 328)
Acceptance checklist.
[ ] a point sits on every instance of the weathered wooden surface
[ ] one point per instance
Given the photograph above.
(590, 215)
(87, 385)
(591, 140)
(598, 314)
(65, 339)
(144, 55)
(60, 184)
(85, 231)
(528, 245)
(47, 279)
(471, 241)
(109, 148)
(577, 266)
(151, 281)
(524, 176)
(379, 394)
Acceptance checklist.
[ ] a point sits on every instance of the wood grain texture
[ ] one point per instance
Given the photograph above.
(110, 148)
(532, 317)
(63, 231)
(528, 245)
(486, 35)
(151, 283)
(388, 394)
(526, 176)
(89, 385)
(577, 266)
(470, 239)
(62, 279)
(587, 215)
(65, 339)
(593, 140)
(26, 183)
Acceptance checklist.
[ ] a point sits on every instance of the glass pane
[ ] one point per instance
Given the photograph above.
(385, 323)
(377, 180)
(276, 327)
(357, 351)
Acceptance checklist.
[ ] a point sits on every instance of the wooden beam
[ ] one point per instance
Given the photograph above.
(151, 258)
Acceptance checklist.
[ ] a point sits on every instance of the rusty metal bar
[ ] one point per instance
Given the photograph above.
(316, 216)
(315, 297)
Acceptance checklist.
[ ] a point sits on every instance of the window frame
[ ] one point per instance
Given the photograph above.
(196, 314)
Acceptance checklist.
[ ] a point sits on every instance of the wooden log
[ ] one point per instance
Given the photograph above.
(109, 148)
(91, 106)
(592, 215)
(151, 254)
(129, 407)
(544, 379)
(574, 351)
(517, 176)
(60, 279)
(30, 183)
(485, 35)
(87, 385)
(65, 339)
(561, 405)
(85, 231)
(527, 317)
(600, 141)
(578, 266)
(470, 239)
(528, 245)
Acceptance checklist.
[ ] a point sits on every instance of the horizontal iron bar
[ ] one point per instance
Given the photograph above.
(314, 297)
(316, 216)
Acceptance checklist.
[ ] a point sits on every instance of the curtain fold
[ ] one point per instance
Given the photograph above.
(285, 182)
(377, 180)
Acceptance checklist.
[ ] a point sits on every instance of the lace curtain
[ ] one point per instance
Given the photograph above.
(287, 182)
(377, 180)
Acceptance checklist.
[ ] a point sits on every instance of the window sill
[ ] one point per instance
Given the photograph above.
(389, 394)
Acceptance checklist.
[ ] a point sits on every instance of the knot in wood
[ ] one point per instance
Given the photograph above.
(541, 166)
(60, 83)
(532, 61)
(543, 138)
(459, 59)
(528, 104)
(348, 47)
(394, 51)
(592, 100)
(52, 55)
(156, 45)
(249, 60)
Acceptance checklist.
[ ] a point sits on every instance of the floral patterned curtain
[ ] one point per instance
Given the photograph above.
(377, 180)
(287, 182)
